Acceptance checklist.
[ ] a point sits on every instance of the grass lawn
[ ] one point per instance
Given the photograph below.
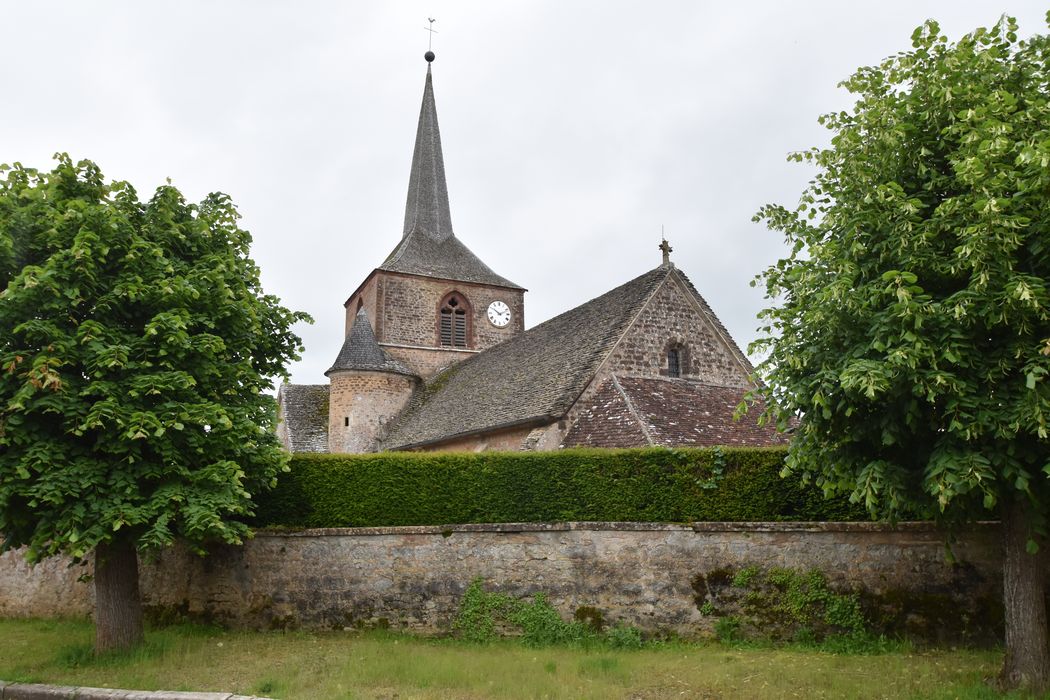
(384, 665)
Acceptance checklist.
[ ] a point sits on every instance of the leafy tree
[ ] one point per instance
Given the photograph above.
(135, 347)
(911, 326)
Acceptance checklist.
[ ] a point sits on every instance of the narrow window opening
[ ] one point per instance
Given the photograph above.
(346, 422)
(674, 367)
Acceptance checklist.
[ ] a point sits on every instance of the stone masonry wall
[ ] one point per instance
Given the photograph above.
(360, 405)
(366, 297)
(647, 575)
(502, 441)
(408, 310)
(672, 315)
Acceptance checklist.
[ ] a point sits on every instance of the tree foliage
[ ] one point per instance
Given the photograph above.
(912, 325)
(136, 345)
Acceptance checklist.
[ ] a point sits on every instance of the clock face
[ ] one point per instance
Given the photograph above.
(499, 314)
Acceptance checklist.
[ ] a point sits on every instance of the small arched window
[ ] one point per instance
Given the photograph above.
(674, 363)
(676, 355)
(454, 322)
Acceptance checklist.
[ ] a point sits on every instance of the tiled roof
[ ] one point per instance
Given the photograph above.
(607, 421)
(669, 412)
(304, 409)
(361, 351)
(428, 245)
(535, 376)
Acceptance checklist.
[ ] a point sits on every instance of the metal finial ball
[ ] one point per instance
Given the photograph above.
(429, 55)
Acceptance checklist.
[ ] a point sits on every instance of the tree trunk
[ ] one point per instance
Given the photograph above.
(118, 607)
(1027, 662)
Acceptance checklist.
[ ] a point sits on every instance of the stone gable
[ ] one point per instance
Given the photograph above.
(673, 316)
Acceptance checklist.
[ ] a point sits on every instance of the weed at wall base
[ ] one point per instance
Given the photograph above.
(484, 616)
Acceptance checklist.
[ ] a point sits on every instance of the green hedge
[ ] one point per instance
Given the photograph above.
(644, 485)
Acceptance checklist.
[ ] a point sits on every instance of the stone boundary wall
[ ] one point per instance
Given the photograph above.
(642, 574)
(39, 691)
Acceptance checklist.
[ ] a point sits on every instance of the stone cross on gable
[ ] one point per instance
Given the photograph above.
(666, 249)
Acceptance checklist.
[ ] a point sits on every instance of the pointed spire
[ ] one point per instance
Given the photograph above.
(361, 351)
(427, 208)
(428, 246)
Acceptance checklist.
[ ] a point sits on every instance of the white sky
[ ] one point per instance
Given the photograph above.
(571, 130)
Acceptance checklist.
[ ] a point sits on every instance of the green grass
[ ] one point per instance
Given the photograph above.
(386, 665)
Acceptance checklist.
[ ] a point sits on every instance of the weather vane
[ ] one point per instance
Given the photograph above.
(430, 37)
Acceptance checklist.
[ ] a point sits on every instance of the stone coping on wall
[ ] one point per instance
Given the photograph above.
(39, 691)
(446, 530)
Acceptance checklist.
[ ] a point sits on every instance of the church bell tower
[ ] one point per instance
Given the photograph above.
(433, 302)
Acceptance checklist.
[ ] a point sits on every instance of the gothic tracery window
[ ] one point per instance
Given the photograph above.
(453, 322)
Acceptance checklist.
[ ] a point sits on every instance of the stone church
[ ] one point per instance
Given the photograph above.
(436, 356)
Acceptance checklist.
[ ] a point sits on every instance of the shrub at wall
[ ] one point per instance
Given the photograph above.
(641, 485)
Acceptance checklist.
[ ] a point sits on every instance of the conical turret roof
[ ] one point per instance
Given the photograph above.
(361, 351)
(428, 245)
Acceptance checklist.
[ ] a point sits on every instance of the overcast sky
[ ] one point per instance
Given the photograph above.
(571, 130)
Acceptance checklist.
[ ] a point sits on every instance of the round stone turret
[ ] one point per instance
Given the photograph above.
(367, 389)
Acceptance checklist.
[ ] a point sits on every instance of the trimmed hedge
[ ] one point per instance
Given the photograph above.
(638, 485)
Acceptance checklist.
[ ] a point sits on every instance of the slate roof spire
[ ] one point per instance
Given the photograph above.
(428, 246)
(361, 351)
(426, 210)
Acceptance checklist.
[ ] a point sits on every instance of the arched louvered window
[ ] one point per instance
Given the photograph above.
(454, 322)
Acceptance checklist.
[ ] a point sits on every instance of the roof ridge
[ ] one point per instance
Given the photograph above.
(632, 410)
(623, 328)
(620, 329)
(611, 292)
(716, 324)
